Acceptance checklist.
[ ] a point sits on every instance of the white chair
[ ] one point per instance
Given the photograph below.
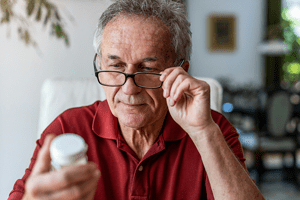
(59, 94)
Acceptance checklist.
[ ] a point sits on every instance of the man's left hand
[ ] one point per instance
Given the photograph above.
(188, 100)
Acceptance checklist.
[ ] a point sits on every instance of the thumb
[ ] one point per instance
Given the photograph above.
(43, 162)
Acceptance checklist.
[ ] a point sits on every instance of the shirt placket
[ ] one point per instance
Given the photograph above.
(140, 187)
(140, 183)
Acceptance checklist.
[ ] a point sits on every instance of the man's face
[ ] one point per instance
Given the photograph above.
(137, 44)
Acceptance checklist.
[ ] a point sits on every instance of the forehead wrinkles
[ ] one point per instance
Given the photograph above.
(133, 30)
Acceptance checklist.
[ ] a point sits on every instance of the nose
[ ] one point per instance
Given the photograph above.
(130, 88)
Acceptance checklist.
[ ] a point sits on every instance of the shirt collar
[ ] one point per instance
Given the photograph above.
(171, 130)
(105, 125)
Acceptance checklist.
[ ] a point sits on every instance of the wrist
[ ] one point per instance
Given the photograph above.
(207, 137)
(204, 132)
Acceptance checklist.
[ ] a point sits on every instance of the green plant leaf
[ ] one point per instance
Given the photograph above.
(58, 30)
(67, 40)
(34, 7)
(57, 15)
(47, 17)
(30, 7)
(49, 8)
(24, 35)
(27, 37)
(39, 14)
(6, 17)
(6, 8)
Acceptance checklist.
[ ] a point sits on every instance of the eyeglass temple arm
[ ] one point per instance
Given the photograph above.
(181, 63)
(94, 63)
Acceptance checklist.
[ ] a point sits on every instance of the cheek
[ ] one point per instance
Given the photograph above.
(158, 99)
(110, 93)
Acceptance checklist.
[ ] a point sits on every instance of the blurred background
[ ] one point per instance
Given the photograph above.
(250, 47)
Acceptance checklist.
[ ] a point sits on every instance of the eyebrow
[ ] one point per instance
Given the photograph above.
(114, 57)
(148, 59)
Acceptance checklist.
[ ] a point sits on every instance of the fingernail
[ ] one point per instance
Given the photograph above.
(171, 102)
(162, 77)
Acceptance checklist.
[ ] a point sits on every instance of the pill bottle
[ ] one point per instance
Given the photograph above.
(66, 150)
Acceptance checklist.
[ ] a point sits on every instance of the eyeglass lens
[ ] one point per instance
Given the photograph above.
(117, 78)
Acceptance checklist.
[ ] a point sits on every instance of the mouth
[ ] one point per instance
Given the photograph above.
(133, 105)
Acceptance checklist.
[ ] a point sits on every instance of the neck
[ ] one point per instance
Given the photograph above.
(140, 140)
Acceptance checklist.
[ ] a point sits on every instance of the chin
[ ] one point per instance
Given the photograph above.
(134, 121)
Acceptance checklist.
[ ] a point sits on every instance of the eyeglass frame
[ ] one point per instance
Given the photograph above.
(126, 75)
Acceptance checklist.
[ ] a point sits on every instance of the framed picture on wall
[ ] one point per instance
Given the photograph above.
(221, 32)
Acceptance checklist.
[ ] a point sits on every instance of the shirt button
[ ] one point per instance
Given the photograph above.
(141, 168)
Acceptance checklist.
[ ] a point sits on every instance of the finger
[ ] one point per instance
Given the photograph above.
(168, 71)
(169, 79)
(43, 162)
(81, 190)
(191, 87)
(165, 73)
(194, 88)
(175, 93)
(179, 87)
(66, 177)
(184, 65)
(91, 194)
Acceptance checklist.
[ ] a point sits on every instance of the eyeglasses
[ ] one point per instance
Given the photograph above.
(116, 78)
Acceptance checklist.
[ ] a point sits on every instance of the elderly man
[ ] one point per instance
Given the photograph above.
(155, 136)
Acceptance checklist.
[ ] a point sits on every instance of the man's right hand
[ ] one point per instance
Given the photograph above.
(74, 182)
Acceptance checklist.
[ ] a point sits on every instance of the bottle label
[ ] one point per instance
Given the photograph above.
(56, 166)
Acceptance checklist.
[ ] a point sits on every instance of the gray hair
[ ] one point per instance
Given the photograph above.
(171, 13)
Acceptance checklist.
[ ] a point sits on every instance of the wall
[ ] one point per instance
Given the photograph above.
(242, 66)
(23, 70)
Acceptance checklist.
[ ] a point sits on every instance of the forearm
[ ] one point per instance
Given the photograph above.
(228, 178)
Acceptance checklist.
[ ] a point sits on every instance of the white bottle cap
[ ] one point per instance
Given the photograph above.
(67, 148)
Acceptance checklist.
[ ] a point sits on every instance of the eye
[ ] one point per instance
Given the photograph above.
(116, 67)
(148, 69)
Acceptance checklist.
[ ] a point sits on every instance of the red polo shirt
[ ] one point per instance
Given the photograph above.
(171, 169)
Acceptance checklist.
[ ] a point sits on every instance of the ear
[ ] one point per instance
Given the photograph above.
(186, 65)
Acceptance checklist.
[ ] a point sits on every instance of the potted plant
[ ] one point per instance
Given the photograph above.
(42, 11)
